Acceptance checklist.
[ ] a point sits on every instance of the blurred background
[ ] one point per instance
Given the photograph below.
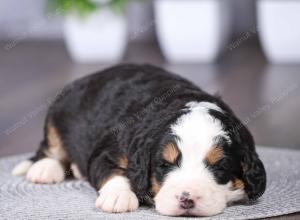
(246, 51)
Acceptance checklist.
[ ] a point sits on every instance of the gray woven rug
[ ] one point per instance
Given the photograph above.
(75, 199)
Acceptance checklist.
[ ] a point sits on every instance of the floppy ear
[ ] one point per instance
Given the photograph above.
(139, 171)
(254, 175)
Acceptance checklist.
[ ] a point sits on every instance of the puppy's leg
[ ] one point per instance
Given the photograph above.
(50, 167)
(108, 175)
(117, 196)
(23, 167)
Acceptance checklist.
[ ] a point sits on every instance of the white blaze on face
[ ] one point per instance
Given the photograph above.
(197, 131)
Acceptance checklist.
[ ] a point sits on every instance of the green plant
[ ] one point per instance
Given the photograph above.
(85, 7)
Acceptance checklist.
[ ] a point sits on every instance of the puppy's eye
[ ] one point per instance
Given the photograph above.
(166, 164)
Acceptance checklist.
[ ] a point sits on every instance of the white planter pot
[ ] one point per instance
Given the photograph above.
(192, 30)
(100, 37)
(279, 29)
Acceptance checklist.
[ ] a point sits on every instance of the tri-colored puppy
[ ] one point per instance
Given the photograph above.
(137, 133)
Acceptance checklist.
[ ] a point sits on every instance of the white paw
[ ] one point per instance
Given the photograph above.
(117, 201)
(22, 168)
(47, 170)
(116, 196)
(76, 171)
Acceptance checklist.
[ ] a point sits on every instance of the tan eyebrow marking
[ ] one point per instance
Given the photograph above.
(170, 153)
(214, 155)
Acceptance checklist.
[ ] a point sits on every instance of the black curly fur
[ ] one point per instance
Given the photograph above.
(128, 110)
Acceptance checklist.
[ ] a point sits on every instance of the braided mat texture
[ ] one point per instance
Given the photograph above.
(75, 199)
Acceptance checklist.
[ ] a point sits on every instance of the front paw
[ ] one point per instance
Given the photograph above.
(46, 171)
(114, 201)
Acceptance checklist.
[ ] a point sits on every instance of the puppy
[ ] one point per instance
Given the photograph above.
(139, 134)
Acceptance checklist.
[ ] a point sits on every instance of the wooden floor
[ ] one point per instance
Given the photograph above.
(266, 97)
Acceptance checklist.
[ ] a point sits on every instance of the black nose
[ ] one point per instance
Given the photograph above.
(185, 202)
